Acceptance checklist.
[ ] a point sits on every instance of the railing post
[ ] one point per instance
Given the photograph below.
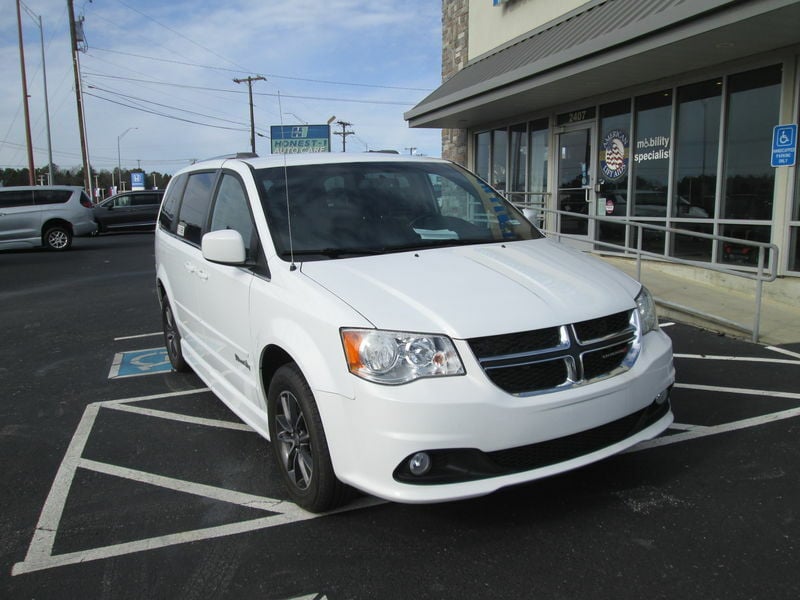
(639, 233)
(759, 289)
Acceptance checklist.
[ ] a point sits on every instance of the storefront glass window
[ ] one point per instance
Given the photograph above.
(499, 159)
(753, 103)
(540, 135)
(696, 149)
(614, 168)
(482, 154)
(651, 154)
(518, 157)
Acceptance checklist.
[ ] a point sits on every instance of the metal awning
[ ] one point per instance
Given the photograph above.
(602, 47)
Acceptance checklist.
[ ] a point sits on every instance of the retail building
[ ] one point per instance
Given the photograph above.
(659, 111)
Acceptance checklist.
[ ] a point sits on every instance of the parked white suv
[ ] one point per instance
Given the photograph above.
(44, 215)
(393, 324)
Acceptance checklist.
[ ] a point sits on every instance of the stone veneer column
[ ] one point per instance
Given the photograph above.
(455, 32)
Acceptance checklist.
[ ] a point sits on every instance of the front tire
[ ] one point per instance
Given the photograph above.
(172, 338)
(299, 443)
(57, 238)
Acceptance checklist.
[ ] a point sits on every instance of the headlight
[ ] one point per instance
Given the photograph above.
(395, 357)
(646, 307)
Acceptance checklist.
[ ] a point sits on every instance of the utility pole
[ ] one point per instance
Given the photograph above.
(73, 32)
(344, 133)
(31, 168)
(249, 81)
(411, 150)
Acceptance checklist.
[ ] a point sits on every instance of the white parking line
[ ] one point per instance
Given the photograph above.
(777, 361)
(136, 337)
(784, 351)
(40, 552)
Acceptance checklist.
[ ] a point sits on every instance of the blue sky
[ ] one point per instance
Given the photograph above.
(167, 69)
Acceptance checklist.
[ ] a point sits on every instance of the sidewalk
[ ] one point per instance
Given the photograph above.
(721, 303)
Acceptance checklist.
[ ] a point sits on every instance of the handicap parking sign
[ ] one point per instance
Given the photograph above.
(784, 145)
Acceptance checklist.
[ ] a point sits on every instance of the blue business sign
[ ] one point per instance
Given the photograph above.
(137, 181)
(784, 145)
(294, 139)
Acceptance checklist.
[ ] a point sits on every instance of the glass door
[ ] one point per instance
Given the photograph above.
(575, 180)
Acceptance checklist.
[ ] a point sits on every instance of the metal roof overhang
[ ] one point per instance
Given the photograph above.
(584, 55)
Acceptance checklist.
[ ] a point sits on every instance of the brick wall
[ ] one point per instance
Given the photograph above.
(455, 32)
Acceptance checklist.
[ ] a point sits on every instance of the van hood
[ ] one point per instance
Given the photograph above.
(474, 291)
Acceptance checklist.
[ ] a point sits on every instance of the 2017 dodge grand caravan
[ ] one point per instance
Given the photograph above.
(392, 324)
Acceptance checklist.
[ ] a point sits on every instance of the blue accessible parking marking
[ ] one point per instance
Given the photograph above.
(140, 362)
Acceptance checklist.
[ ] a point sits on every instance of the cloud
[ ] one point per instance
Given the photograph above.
(140, 58)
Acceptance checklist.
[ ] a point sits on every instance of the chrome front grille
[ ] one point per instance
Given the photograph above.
(536, 362)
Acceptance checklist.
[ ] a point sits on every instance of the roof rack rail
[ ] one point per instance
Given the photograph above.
(232, 155)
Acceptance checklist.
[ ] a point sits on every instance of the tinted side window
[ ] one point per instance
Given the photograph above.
(16, 198)
(51, 196)
(121, 201)
(193, 213)
(145, 200)
(171, 201)
(231, 212)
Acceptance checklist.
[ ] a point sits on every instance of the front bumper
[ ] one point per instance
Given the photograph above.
(480, 438)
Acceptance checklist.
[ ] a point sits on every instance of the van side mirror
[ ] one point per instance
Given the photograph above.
(225, 246)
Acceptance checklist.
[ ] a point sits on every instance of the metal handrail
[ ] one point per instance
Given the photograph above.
(764, 272)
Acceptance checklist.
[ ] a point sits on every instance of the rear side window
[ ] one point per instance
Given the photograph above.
(194, 207)
(10, 199)
(169, 208)
(51, 196)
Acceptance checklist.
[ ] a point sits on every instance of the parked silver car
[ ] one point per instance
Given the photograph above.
(48, 216)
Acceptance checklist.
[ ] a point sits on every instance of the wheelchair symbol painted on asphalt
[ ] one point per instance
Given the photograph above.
(140, 362)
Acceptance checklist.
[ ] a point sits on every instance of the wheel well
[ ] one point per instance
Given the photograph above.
(272, 359)
(54, 222)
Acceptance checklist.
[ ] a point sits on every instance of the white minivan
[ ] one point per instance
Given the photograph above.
(392, 324)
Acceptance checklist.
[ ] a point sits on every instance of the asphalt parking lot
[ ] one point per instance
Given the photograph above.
(122, 479)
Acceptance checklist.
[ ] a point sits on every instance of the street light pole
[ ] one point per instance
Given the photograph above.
(119, 159)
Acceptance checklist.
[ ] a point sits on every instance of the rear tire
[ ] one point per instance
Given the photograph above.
(299, 443)
(57, 237)
(172, 338)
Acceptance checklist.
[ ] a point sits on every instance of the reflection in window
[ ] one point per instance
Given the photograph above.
(499, 159)
(651, 154)
(540, 135)
(697, 131)
(753, 103)
(482, 154)
(518, 158)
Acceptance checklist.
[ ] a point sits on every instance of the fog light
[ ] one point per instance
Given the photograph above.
(662, 397)
(420, 463)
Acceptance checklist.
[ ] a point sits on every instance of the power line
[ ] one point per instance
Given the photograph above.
(179, 34)
(153, 112)
(270, 75)
(191, 112)
(209, 89)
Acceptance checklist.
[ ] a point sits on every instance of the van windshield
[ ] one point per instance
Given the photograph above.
(351, 209)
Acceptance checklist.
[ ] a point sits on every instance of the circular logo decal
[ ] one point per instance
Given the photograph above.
(614, 162)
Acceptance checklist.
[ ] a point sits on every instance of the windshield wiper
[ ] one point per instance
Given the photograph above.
(334, 252)
(443, 243)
